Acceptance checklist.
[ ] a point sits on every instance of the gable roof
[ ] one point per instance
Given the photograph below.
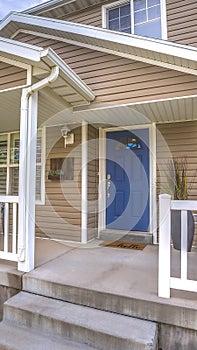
(153, 51)
(174, 110)
(68, 6)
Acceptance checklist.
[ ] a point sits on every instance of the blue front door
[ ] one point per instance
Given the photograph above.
(127, 180)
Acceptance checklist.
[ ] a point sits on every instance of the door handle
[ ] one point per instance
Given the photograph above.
(108, 185)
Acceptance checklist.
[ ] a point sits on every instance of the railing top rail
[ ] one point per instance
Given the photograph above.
(9, 199)
(183, 205)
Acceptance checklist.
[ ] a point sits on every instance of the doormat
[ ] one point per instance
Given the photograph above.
(124, 245)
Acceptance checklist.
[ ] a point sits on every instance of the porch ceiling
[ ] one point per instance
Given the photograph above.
(52, 112)
(174, 110)
(158, 52)
(155, 112)
(10, 108)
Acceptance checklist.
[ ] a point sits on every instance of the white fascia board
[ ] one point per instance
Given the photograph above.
(71, 77)
(16, 48)
(105, 35)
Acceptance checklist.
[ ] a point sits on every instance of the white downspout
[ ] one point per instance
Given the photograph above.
(39, 85)
(28, 117)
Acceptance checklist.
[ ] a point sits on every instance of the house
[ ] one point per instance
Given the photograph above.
(111, 87)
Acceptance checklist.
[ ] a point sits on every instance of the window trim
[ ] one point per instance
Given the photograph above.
(9, 165)
(118, 3)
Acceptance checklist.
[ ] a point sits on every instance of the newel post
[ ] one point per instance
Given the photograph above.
(164, 245)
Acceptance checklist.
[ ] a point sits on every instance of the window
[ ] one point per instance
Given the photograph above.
(140, 17)
(131, 143)
(9, 164)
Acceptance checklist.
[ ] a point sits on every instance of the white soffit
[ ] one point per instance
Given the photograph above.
(51, 112)
(10, 102)
(152, 51)
(176, 110)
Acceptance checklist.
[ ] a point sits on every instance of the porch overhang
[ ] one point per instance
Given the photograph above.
(67, 91)
(68, 88)
(163, 111)
(152, 51)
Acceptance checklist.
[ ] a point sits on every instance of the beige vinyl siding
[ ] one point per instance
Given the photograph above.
(182, 21)
(178, 140)
(11, 76)
(115, 80)
(60, 217)
(90, 17)
(92, 182)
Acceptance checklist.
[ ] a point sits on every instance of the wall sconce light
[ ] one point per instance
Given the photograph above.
(68, 136)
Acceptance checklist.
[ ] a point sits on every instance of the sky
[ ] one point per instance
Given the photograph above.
(17, 5)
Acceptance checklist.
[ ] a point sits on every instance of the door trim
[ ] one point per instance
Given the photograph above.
(152, 170)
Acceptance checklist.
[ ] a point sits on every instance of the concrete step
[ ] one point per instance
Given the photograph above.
(126, 236)
(122, 281)
(52, 283)
(99, 329)
(13, 337)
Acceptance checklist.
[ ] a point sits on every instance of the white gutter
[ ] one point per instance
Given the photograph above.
(72, 78)
(16, 48)
(25, 177)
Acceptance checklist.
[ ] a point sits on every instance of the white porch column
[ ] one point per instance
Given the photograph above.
(153, 182)
(84, 183)
(27, 171)
(27, 183)
(102, 182)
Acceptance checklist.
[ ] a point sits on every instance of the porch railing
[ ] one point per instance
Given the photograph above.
(9, 228)
(165, 281)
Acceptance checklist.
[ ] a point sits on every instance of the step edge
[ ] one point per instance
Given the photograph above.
(83, 328)
(74, 294)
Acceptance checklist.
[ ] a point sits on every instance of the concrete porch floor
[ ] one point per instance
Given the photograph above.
(122, 271)
(117, 280)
